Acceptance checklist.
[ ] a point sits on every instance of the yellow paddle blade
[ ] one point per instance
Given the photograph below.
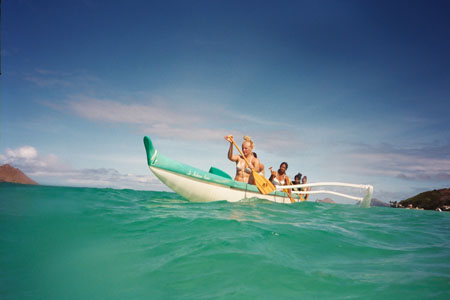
(263, 184)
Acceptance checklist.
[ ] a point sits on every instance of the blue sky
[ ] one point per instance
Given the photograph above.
(352, 91)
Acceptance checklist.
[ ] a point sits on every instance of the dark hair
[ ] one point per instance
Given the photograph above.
(284, 163)
(255, 155)
(299, 176)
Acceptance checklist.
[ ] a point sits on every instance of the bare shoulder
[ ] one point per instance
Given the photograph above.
(235, 158)
(255, 160)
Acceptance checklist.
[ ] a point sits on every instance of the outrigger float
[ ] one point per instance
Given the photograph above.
(200, 186)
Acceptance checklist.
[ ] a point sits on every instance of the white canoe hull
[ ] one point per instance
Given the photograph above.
(197, 190)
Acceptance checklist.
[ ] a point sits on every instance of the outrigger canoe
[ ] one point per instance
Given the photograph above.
(216, 185)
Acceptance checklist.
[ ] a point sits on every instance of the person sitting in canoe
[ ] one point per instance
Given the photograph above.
(280, 178)
(261, 166)
(304, 197)
(243, 171)
(297, 180)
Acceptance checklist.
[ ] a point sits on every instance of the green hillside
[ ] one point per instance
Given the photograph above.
(429, 200)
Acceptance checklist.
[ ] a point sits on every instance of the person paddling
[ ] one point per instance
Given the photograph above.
(280, 178)
(243, 171)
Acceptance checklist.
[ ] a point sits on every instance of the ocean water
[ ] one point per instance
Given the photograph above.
(84, 243)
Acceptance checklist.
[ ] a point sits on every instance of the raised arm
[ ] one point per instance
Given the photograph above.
(230, 150)
(273, 174)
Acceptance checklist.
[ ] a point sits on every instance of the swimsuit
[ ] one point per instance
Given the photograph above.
(275, 181)
(239, 167)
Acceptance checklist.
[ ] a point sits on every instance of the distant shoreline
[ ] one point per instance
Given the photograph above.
(431, 200)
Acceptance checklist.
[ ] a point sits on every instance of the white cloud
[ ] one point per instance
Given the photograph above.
(185, 133)
(178, 121)
(47, 82)
(49, 168)
(154, 118)
(25, 152)
(45, 78)
(111, 178)
(406, 163)
(27, 158)
(116, 112)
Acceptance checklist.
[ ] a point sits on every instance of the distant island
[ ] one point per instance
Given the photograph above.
(326, 200)
(10, 174)
(376, 202)
(431, 200)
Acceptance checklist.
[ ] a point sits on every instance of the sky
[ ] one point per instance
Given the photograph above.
(349, 91)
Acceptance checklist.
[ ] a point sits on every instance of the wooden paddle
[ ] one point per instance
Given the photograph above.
(262, 183)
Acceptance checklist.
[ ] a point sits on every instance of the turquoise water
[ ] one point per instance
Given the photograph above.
(82, 243)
